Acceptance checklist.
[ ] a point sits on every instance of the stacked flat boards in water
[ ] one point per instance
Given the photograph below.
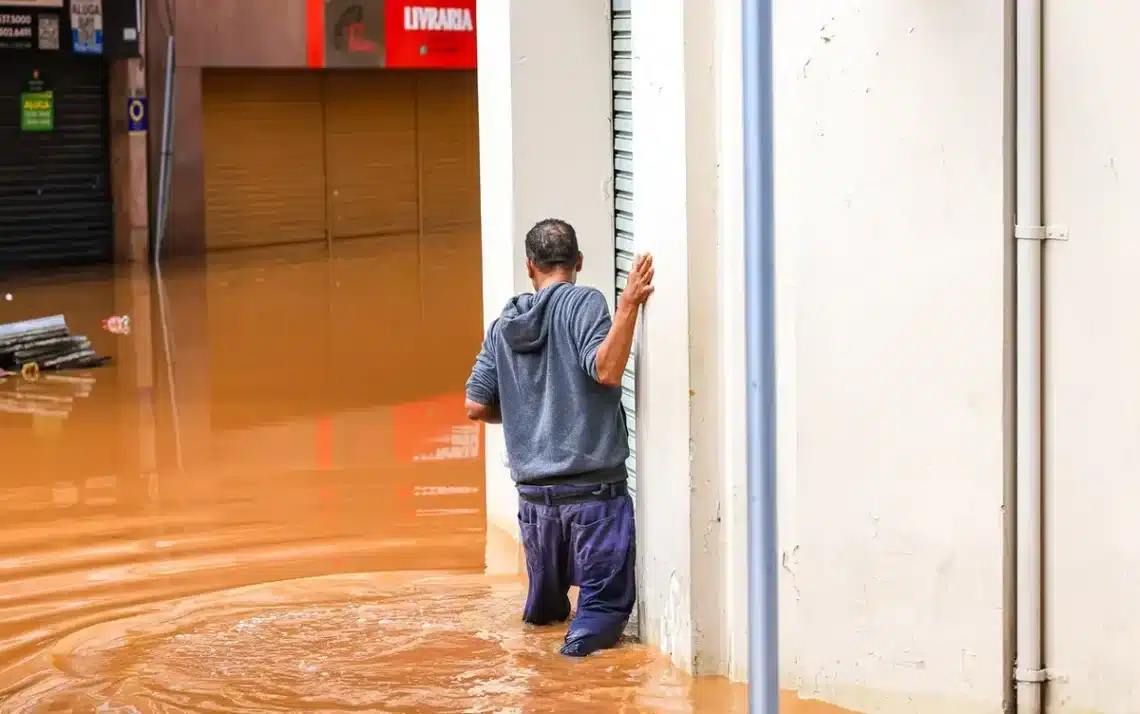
(44, 344)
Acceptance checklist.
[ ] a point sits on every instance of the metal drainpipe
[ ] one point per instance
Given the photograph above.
(1030, 672)
(166, 155)
(759, 229)
(1009, 360)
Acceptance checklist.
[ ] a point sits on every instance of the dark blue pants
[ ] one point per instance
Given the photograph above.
(591, 545)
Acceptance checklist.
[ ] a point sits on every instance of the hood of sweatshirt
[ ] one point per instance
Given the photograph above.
(525, 322)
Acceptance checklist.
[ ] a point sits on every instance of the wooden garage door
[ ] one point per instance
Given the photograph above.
(449, 151)
(370, 135)
(264, 160)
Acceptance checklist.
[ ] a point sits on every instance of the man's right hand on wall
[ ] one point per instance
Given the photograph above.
(639, 285)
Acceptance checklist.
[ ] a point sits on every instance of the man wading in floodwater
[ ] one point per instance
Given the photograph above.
(550, 370)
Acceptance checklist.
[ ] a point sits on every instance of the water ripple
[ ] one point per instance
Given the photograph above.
(351, 643)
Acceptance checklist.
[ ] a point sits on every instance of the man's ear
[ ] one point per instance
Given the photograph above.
(529, 269)
(578, 267)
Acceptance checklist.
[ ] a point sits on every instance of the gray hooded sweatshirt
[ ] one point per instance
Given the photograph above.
(537, 364)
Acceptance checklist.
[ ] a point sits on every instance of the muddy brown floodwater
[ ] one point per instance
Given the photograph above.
(272, 502)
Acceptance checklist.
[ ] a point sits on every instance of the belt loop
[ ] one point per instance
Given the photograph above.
(546, 495)
(612, 488)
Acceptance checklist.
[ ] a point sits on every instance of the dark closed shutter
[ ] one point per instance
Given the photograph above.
(55, 193)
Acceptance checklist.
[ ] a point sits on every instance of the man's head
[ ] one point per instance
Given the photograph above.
(552, 253)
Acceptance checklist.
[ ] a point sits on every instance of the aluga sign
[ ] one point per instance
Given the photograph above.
(438, 19)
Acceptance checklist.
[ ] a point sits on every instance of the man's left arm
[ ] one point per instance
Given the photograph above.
(483, 385)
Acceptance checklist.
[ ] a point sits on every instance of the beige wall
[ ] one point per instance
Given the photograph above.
(241, 33)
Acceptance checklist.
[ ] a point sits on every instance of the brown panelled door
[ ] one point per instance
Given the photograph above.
(263, 151)
(449, 151)
(301, 156)
(370, 139)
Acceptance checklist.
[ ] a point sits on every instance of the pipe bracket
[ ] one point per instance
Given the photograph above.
(1040, 232)
(1033, 676)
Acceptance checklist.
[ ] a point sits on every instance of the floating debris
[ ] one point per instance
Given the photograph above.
(117, 325)
(44, 344)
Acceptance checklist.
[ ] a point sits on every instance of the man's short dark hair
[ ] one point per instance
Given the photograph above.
(552, 243)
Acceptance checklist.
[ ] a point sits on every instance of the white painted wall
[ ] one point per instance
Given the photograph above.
(730, 337)
(889, 203)
(1092, 284)
(889, 320)
(545, 150)
(661, 215)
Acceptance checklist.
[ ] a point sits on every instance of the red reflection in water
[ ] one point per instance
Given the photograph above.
(436, 429)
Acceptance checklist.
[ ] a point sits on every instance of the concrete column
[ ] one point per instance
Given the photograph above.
(545, 150)
(680, 412)
(730, 339)
(128, 163)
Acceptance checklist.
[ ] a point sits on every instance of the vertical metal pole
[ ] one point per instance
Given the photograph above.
(169, 153)
(1009, 361)
(759, 234)
(164, 168)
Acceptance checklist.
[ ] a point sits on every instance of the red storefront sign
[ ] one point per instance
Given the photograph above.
(421, 35)
(400, 34)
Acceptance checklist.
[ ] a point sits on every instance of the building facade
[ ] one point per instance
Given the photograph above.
(317, 120)
(71, 127)
(895, 264)
(294, 121)
(897, 328)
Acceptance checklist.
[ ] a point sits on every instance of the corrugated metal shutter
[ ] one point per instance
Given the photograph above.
(370, 142)
(623, 193)
(449, 152)
(264, 157)
(55, 193)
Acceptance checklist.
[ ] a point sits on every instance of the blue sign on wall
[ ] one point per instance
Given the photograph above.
(87, 26)
(136, 115)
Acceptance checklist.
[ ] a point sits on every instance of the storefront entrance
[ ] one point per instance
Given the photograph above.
(55, 192)
(302, 155)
